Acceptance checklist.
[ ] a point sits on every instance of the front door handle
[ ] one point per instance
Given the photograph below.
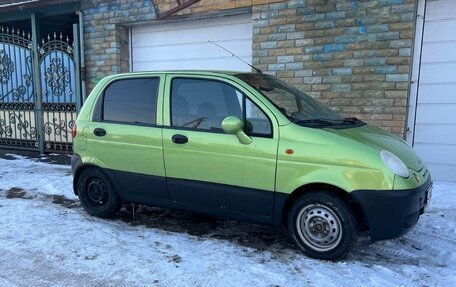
(179, 139)
(99, 132)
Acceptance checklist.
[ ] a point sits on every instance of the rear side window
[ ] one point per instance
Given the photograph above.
(131, 101)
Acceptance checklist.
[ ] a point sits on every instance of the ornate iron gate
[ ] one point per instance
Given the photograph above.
(26, 121)
(17, 96)
(58, 86)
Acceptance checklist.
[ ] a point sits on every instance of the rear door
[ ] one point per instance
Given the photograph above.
(126, 138)
(207, 168)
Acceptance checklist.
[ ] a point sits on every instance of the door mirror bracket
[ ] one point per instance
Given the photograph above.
(234, 126)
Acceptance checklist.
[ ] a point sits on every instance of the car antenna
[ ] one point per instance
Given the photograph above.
(236, 56)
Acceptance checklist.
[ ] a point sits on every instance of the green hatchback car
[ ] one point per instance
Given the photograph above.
(246, 146)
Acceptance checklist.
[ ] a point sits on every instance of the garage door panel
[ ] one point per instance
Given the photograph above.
(436, 113)
(438, 52)
(437, 153)
(438, 73)
(442, 9)
(442, 172)
(435, 119)
(189, 64)
(184, 45)
(192, 24)
(216, 34)
(435, 134)
(192, 51)
(440, 93)
(439, 31)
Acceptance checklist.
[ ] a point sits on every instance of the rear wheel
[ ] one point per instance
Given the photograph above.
(323, 225)
(96, 193)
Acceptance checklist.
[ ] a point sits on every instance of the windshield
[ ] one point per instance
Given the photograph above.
(294, 103)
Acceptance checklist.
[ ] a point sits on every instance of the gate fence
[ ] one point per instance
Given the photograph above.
(38, 110)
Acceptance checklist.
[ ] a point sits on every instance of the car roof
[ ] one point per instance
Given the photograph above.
(196, 72)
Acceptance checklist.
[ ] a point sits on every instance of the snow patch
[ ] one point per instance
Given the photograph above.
(46, 238)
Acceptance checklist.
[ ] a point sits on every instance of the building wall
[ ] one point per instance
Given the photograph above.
(204, 6)
(105, 35)
(353, 55)
(106, 25)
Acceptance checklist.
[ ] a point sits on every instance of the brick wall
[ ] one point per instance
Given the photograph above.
(204, 6)
(106, 34)
(353, 55)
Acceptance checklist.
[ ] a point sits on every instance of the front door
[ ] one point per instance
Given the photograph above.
(208, 169)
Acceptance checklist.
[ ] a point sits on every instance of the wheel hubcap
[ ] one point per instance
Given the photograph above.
(97, 193)
(319, 227)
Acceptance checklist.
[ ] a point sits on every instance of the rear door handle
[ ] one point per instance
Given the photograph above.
(179, 139)
(99, 132)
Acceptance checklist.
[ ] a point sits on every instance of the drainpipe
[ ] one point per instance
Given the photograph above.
(83, 68)
(37, 81)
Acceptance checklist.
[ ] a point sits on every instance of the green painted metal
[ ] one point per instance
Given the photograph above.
(234, 126)
(216, 152)
(136, 149)
(295, 156)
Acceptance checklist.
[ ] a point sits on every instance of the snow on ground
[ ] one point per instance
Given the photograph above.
(46, 239)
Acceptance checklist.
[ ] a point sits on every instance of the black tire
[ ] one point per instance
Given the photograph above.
(97, 194)
(323, 225)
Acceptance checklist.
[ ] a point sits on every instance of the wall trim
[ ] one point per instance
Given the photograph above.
(211, 14)
(415, 78)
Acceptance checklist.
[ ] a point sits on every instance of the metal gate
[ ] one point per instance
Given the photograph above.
(38, 112)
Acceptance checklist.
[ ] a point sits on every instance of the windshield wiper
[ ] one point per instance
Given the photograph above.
(353, 120)
(314, 122)
(265, 89)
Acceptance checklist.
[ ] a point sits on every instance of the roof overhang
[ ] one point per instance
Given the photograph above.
(21, 9)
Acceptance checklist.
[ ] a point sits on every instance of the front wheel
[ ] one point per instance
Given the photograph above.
(322, 225)
(96, 193)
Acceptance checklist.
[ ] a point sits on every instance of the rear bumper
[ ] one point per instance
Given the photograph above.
(392, 213)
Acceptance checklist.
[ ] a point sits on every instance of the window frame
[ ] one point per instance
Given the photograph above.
(243, 106)
(98, 115)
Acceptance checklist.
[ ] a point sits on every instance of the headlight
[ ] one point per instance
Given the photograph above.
(394, 163)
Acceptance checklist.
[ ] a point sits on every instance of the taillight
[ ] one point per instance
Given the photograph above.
(73, 131)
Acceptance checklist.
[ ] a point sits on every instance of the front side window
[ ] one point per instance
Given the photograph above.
(203, 105)
(256, 121)
(131, 101)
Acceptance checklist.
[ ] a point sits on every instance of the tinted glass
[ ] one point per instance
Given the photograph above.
(131, 101)
(292, 102)
(203, 104)
(256, 121)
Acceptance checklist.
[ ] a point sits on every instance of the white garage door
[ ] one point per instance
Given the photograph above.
(435, 126)
(184, 45)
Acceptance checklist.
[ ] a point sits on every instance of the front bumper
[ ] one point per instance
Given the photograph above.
(392, 213)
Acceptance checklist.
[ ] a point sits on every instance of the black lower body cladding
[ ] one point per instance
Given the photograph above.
(76, 162)
(392, 213)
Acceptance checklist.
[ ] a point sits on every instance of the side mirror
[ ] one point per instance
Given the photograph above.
(234, 126)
